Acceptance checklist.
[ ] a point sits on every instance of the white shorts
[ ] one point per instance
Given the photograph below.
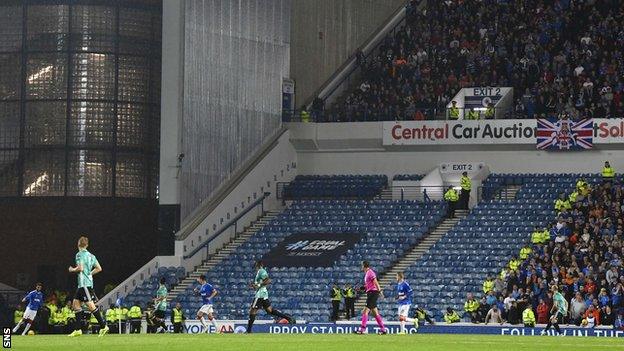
(29, 314)
(404, 310)
(206, 309)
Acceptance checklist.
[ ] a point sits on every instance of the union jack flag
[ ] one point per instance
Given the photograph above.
(564, 134)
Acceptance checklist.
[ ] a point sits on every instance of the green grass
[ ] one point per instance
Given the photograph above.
(304, 342)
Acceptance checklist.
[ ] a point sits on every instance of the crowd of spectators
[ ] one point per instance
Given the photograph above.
(582, 254)
(561, 57)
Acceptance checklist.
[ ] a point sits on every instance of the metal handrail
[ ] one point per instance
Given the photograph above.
(228, 225)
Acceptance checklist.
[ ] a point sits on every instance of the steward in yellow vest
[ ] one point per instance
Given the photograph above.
(451, 316)
(135, 315)
(608, 173)
(488, 285)
(528, 317)
(454, 111)
(177, 318)
(525, 252)
(452, 197)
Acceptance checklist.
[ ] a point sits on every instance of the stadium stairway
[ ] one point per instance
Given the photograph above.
(222, 253)
(508, 193)
(387, 279)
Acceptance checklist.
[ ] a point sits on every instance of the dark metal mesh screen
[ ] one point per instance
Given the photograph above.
(79, 98)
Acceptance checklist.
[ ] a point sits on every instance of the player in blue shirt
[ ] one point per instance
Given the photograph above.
(404, 300)
(207, 292)
(35, 300)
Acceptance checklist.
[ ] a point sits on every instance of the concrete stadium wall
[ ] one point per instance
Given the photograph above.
(357, 148)
(324, 33)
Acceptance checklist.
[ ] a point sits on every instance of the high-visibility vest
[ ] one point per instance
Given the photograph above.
(465, 183)
(349, 293)
(489, 112)
(111, 316)
(120, 314)
(488, 286)
(573, 196)
(305, 116)
(336, 294)
(451, 318)
(93, 320)
(52, 318)
(514, 264)
(536, 237)
(525, 252)
(59, 317)
(421, 314)
(472, 114)
(135, 312)
(528, 317)
(454, 112)
(471, 306)
(561, 205)
(545, 236)
(608, 172)
(451, 195)
(177, 316)
(17, 316)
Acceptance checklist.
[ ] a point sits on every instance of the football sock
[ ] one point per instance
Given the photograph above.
(203, 322)
(19, 325)
(380, 322)
(98, 315)
(213, 321)
(556, 325)
(78, 322)
(364, 321)
(26, 329)
(250, 322)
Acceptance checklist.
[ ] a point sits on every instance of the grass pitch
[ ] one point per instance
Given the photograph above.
(305, 342)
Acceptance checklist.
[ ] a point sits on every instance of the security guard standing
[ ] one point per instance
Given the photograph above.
(451, 197)
(121, 315)
(608, 173)
(488, 285)
(135, 315)
(305, 115)
(525, 252)
(177, 318)
(489, 111)
(349, 297)
(536, 236)
(473, 114)
(454, 111)
(528, 317)
(466, 185)
(514, 264)
(562, 204)
(336, 297)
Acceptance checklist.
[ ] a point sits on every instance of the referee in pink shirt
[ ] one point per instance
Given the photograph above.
(373, 291)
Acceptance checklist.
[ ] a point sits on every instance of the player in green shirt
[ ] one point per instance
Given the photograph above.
(559, 309)
(161, 306)
(261, 299)
(86, 267)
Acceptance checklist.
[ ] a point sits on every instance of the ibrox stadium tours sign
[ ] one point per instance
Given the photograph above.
(236, 327)
(310, 249)
(495, 132)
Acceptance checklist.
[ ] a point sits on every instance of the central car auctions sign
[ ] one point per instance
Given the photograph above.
(485, 132)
